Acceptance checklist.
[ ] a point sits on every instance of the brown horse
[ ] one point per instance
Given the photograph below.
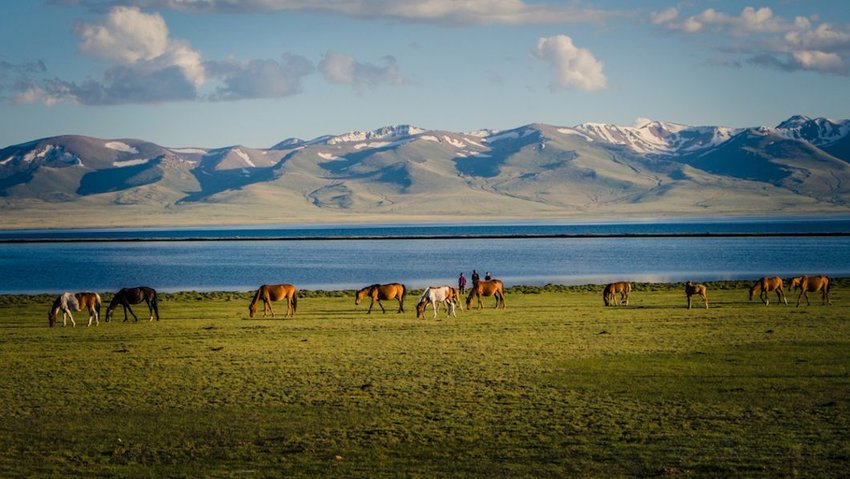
(275, 292)
(766, 285)
(381, 292)
(692, 289)
(491, 287)
(811, 284)
(623, 288)
(68, 302)
(127, 296)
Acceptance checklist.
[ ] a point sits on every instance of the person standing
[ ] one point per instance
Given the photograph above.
(461, 283)
(475, 277)
(487, 276)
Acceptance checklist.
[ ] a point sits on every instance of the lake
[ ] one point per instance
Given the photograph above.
(208, 259)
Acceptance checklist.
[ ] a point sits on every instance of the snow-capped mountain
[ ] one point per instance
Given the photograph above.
(654, 168)
(817, 131)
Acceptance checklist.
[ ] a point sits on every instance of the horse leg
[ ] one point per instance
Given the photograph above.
(689, 301)
(434, 304)
(369, 311)
(705, 298)
(128, 307)
(68, 312)
(150, 309)
(400, 305)
(383, 310)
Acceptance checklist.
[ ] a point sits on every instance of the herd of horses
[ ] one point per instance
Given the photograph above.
(67, 303)
(446, 296)
(763, 286)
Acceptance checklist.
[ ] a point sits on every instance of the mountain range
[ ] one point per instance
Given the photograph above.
(404, 173)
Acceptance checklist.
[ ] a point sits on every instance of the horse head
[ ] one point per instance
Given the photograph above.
(420, 309)
(252, 310)
(795, 282)
(109, 311)
(51, 316)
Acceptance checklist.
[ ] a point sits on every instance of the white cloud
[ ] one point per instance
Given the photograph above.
(125, 36)
(758, 37)
(665, 16)
(750, 20)
(425, 11)
(346, 70)
(571, 66)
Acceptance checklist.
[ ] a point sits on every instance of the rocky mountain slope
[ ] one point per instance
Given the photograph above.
(404, 173)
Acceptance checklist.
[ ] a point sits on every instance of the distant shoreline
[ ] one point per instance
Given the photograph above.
(425, 237)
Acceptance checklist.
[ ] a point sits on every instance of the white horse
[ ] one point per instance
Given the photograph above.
(445, 295)
(68, 302)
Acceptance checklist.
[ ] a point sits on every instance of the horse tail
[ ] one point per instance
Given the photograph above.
(294, 301)
(403, 293)
(97, 303)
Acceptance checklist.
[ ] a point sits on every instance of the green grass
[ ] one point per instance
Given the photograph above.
(555, 386)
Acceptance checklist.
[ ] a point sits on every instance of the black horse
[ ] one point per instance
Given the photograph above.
(128, 296)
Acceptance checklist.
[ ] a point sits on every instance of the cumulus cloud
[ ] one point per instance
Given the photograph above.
(571, 66)
(259, 78)
(748, 21)
(757, 36)
(426, 11)
(346, 70)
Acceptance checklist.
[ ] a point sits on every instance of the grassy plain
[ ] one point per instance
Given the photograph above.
(555, 386)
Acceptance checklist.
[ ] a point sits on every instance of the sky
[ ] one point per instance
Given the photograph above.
(214, 73)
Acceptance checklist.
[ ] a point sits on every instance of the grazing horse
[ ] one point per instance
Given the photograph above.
(275, 292)
(766, 285)
(692, 289)
(811, 284)
(437, 294)
(622, 288)
(491, 287)
(380, 292)
(128, 296)
(68, 302)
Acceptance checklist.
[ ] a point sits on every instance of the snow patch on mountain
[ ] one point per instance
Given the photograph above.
(245, 157)
(126, 163)
(189, 151)
(397, 131)
(121, 146)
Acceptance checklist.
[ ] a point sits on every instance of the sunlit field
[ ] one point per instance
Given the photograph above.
(556, 385)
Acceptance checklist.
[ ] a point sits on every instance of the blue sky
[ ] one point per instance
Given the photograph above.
(213, 73)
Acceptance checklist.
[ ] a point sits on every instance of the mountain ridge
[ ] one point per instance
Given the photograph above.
(404, 172)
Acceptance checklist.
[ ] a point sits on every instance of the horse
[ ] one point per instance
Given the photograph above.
(493, 287)
(692, 289)
(622, 288)
(380, 292)
(766, 285)
(811, 284)
(437, 294)
(68, 302)
(127, 296)
(275, 292)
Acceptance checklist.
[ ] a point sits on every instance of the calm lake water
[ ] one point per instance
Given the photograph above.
(241, 265)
